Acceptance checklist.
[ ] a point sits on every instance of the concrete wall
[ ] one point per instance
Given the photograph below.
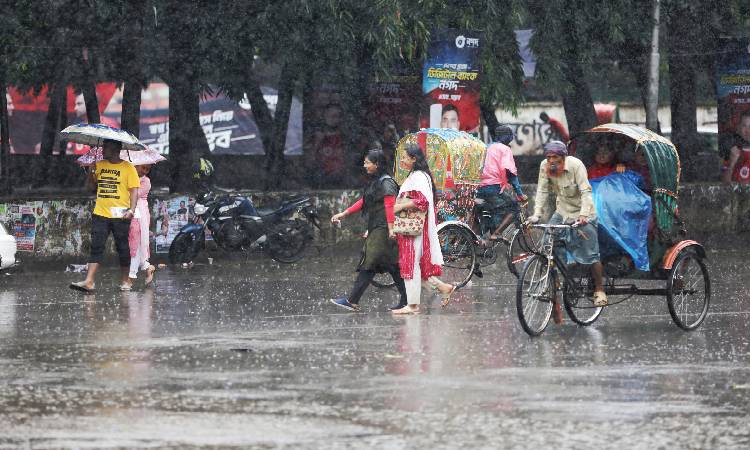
(532, 133)
(63, 226)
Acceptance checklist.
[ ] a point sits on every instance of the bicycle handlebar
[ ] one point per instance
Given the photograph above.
(551, 225)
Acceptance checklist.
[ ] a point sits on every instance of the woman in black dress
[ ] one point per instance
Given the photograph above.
(380, 252)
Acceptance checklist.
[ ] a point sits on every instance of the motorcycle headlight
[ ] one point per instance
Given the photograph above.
(199, 209)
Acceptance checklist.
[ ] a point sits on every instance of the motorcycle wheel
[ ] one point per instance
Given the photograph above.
(184, 248)
(288, 239)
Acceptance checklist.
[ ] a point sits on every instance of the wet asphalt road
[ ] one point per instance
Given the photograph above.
(253, 355)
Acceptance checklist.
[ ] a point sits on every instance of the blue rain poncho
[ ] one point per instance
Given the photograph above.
(623, 211)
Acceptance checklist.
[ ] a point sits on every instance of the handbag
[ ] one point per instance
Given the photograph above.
(409, 222)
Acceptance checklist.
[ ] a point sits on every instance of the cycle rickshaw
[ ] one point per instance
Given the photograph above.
(456, 160)
(657, 251)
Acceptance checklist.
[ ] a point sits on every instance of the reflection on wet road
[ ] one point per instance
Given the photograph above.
(254, 355)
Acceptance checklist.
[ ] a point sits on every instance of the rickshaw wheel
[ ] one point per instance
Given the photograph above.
(459, 254)
(535, 295)
(688, 291)
(521, 247)
(579, 308)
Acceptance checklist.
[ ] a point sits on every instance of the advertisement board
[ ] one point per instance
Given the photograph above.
(451, 81)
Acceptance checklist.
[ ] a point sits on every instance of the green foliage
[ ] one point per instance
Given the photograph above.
(222, 42)
(405, 34)
(595, 32)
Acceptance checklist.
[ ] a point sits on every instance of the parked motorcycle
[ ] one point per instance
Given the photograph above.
(284, 231)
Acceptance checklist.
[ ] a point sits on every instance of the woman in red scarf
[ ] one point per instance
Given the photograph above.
(420, 258)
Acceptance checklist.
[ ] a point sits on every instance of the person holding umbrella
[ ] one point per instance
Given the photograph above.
(117, 184)
(139, 226)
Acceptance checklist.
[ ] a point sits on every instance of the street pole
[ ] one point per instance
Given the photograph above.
(652, 96)
(4, 136)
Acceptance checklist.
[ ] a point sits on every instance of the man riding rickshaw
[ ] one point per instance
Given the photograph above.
(616, 218)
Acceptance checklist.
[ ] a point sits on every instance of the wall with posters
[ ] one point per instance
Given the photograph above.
(531, 133)
(62, 227)
(48, 228)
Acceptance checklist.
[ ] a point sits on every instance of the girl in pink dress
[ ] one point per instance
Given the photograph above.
(139, 230)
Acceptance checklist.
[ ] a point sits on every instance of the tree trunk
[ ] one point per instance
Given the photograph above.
(181, 150)
(275, 163)
(652, 102)
(682, 91)
(577, 101)
(134, 80)
(52, 125)
(131, 106)
(88, 87)
(488, 114)
(4, 137)
(187, 141)
(57, 97)
(261, 114)
(199, 142)
(579, 107)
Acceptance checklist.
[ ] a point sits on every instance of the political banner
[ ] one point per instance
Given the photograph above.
(451, 81)
(229, 125)
(733, 91)
(27, 113)
(393, 107)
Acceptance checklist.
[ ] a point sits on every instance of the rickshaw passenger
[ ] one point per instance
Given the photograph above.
(639, 165)
(604, 163)
(498, 175)
(566, 177)
(738, 164)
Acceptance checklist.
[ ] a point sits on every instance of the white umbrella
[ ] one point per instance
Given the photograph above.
(147, 156)
(94, 134)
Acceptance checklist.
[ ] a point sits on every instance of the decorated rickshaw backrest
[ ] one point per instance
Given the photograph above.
(456, 160)
(664, 168)
(452, 155)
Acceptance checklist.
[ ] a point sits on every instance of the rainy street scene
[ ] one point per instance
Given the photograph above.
(255, 356)
(393, 224)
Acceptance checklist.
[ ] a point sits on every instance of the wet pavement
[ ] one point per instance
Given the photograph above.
(253, 355)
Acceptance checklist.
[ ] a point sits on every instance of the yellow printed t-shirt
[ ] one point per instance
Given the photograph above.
(113, 183)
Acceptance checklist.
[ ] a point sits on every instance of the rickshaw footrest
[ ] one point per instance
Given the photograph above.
(655, 291)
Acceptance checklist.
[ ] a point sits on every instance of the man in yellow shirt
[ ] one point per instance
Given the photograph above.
(566, 176)
(117, 186)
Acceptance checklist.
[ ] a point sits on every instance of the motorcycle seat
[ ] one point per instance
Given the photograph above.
(266, 211)
(292, 200)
